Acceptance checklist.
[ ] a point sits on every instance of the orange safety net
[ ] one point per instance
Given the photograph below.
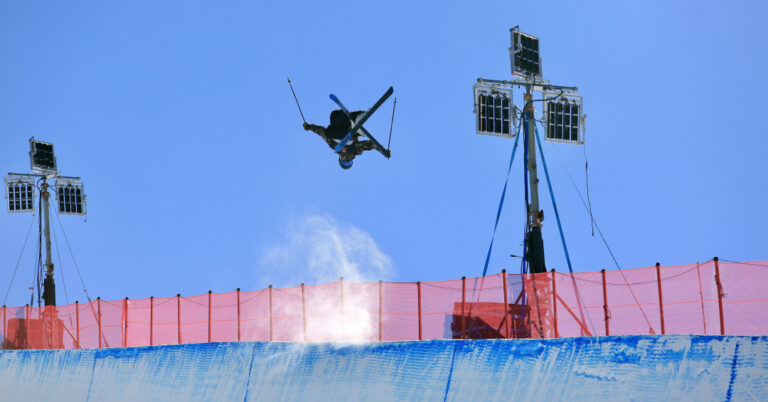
(712, 298)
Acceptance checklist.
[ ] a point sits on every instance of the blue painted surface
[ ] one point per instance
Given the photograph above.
(607, 368)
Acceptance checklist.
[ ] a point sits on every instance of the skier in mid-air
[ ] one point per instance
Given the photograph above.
(335, 133)
(342, 135)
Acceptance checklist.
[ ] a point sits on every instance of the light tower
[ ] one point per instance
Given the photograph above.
(20, 193)
(496, 115)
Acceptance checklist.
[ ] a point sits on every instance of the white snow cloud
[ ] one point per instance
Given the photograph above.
(320, 249)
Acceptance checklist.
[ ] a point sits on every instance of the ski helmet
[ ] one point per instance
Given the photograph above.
(344, 162)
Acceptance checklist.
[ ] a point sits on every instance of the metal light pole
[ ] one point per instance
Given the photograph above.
(49, 287)
(19, 192)
(563, 122)
(562, 118)
(533, 239)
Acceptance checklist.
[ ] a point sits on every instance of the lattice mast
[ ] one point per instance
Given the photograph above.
(20, 191)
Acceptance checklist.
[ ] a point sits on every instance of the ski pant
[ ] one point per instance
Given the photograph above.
(354, 147)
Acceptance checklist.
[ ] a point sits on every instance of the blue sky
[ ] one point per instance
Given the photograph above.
(179, 119)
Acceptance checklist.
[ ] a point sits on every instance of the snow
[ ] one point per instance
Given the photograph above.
(647, 367)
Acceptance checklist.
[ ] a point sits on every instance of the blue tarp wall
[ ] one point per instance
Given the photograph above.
(607, 368)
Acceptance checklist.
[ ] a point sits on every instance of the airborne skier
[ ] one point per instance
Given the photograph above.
(335, 133)
(342, 135)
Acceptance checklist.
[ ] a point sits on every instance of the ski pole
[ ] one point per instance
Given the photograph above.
(391, 123)
(296, 99)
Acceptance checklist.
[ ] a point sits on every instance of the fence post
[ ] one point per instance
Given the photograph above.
(51, 313)
(151, 320)
(270, 313)
(98, 313)
(661, 298)
(178, 316)
(341, 299)
(26, 325)
(77, 324)
(463, 302)
(719, 295)
(238, 314)
(125, 321)
(418, 289)
(554, 303)
(701, 299)
(605, 304)
(209, 316)
(381, 311)
(506, 302)
(304, 312)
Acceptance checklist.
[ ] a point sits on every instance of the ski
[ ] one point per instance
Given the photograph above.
(359, 124)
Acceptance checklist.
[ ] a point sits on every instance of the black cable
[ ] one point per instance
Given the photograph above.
(77, 268)
(61, 269)
(549, 99)
(61, 266)
(32, 222)
(600, 232)
(592, 218)
(586, 174)
(745, 263)
(517, 115)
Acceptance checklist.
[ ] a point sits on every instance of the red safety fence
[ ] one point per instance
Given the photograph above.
(718, 298)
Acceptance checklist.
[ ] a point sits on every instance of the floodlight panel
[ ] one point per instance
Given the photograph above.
(563, 118)
(524, 55)
(494, 113)
(71, 197)
(41, 155)
(20, 194)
